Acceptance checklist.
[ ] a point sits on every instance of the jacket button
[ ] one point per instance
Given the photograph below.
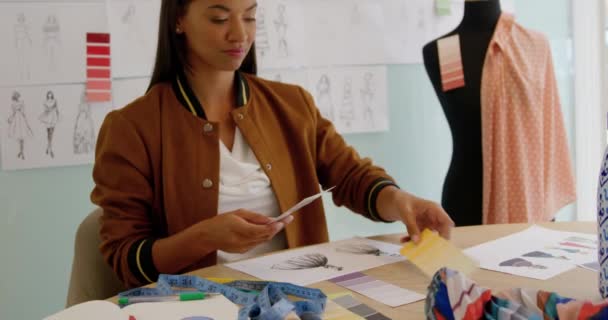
(240, 116)
(207, 183)
(208, 127)
(268, 166)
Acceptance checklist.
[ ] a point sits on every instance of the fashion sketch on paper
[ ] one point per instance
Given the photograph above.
(280, 25)
(84, 129)
(51, 32)
(307, 261)
(540, 254)
(23, 46)
(521, 263)
(262, 42)
(367, 97)
(18, 127)
(324, 101)
(50, 117)
(347, 109)
(363, 249)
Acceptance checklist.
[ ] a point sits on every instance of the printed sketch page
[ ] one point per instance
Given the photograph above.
(536, 252)
(317, 263)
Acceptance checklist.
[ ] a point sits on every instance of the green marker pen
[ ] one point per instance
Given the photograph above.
(185, 296)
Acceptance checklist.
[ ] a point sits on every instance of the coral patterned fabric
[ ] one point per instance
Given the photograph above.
(527, 174)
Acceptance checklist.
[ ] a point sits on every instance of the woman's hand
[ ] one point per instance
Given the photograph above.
(239, 231)
(416, 213)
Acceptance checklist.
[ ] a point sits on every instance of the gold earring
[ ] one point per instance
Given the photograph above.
(178, 30)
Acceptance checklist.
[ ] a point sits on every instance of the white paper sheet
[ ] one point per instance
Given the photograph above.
(40, 132)
(536, 252)
(321, 262)
(134, 35)
(355, 99)
(46, 43)
(306, 201)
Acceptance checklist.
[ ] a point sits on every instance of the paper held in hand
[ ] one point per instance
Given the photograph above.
(300, 205)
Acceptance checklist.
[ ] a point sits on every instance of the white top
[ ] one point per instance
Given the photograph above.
(245, 185)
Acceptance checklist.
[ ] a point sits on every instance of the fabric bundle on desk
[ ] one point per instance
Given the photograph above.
(451, 295)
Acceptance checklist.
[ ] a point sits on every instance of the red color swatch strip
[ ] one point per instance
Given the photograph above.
(450, 63)
(99, 75)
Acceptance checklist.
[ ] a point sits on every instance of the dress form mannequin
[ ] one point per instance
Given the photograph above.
(462, 196)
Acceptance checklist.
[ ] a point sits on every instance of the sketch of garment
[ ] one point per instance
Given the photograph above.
(575, 245)
(50, 117)
(367, 97)
(519, 262)
(324, 101)
(347, 109)
(568, 250)
(540, 254)
(262, 43)
(280, 25)
(84, 129)
(365, 249)
(52, 40)
(307, 261)
(23, 45)
(581, 240)
(355, 17)
(131, 23)
(18, 127)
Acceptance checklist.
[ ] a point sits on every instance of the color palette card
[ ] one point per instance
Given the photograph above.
(99, 78)
(450, 63)
(378, 290)
(355, 306)
(433, 253)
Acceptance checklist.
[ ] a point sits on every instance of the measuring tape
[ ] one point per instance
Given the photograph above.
(271, 303)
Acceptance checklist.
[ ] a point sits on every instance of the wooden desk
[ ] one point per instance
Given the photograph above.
(578, 283)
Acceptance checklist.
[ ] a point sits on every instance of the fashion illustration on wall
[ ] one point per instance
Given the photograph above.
(50, 117)
(18, 126)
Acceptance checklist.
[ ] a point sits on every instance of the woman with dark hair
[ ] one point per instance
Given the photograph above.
(191, 174)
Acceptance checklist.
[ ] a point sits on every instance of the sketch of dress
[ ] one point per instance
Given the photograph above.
(347, 110)
(540, 254)
(50, 117)
(18, 127)
(519, 262)
(130, 20)
(262, 44)
(84, 129)
(568, 250)
(23, 45)
(580, 240)
(52, 40)
(280, 25)
(367, 97)
(307, 261)
(324, 101)
(365, 249)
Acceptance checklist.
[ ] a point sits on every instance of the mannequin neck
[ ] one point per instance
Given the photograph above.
(481, 14)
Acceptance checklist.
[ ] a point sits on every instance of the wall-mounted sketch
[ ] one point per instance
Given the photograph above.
(347, 109)
(540, 254)
(50, 117)
(277, 77)
(262, 42)
(280, 24)
(18, 127)
(307, 261)
(23, 45)
(324, 99)
(131, 23)
(364, 248)
(84, 129)
(367, 97)
(52, 40)
(519, 262)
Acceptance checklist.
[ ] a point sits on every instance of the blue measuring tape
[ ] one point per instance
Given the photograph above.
(271, 303)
